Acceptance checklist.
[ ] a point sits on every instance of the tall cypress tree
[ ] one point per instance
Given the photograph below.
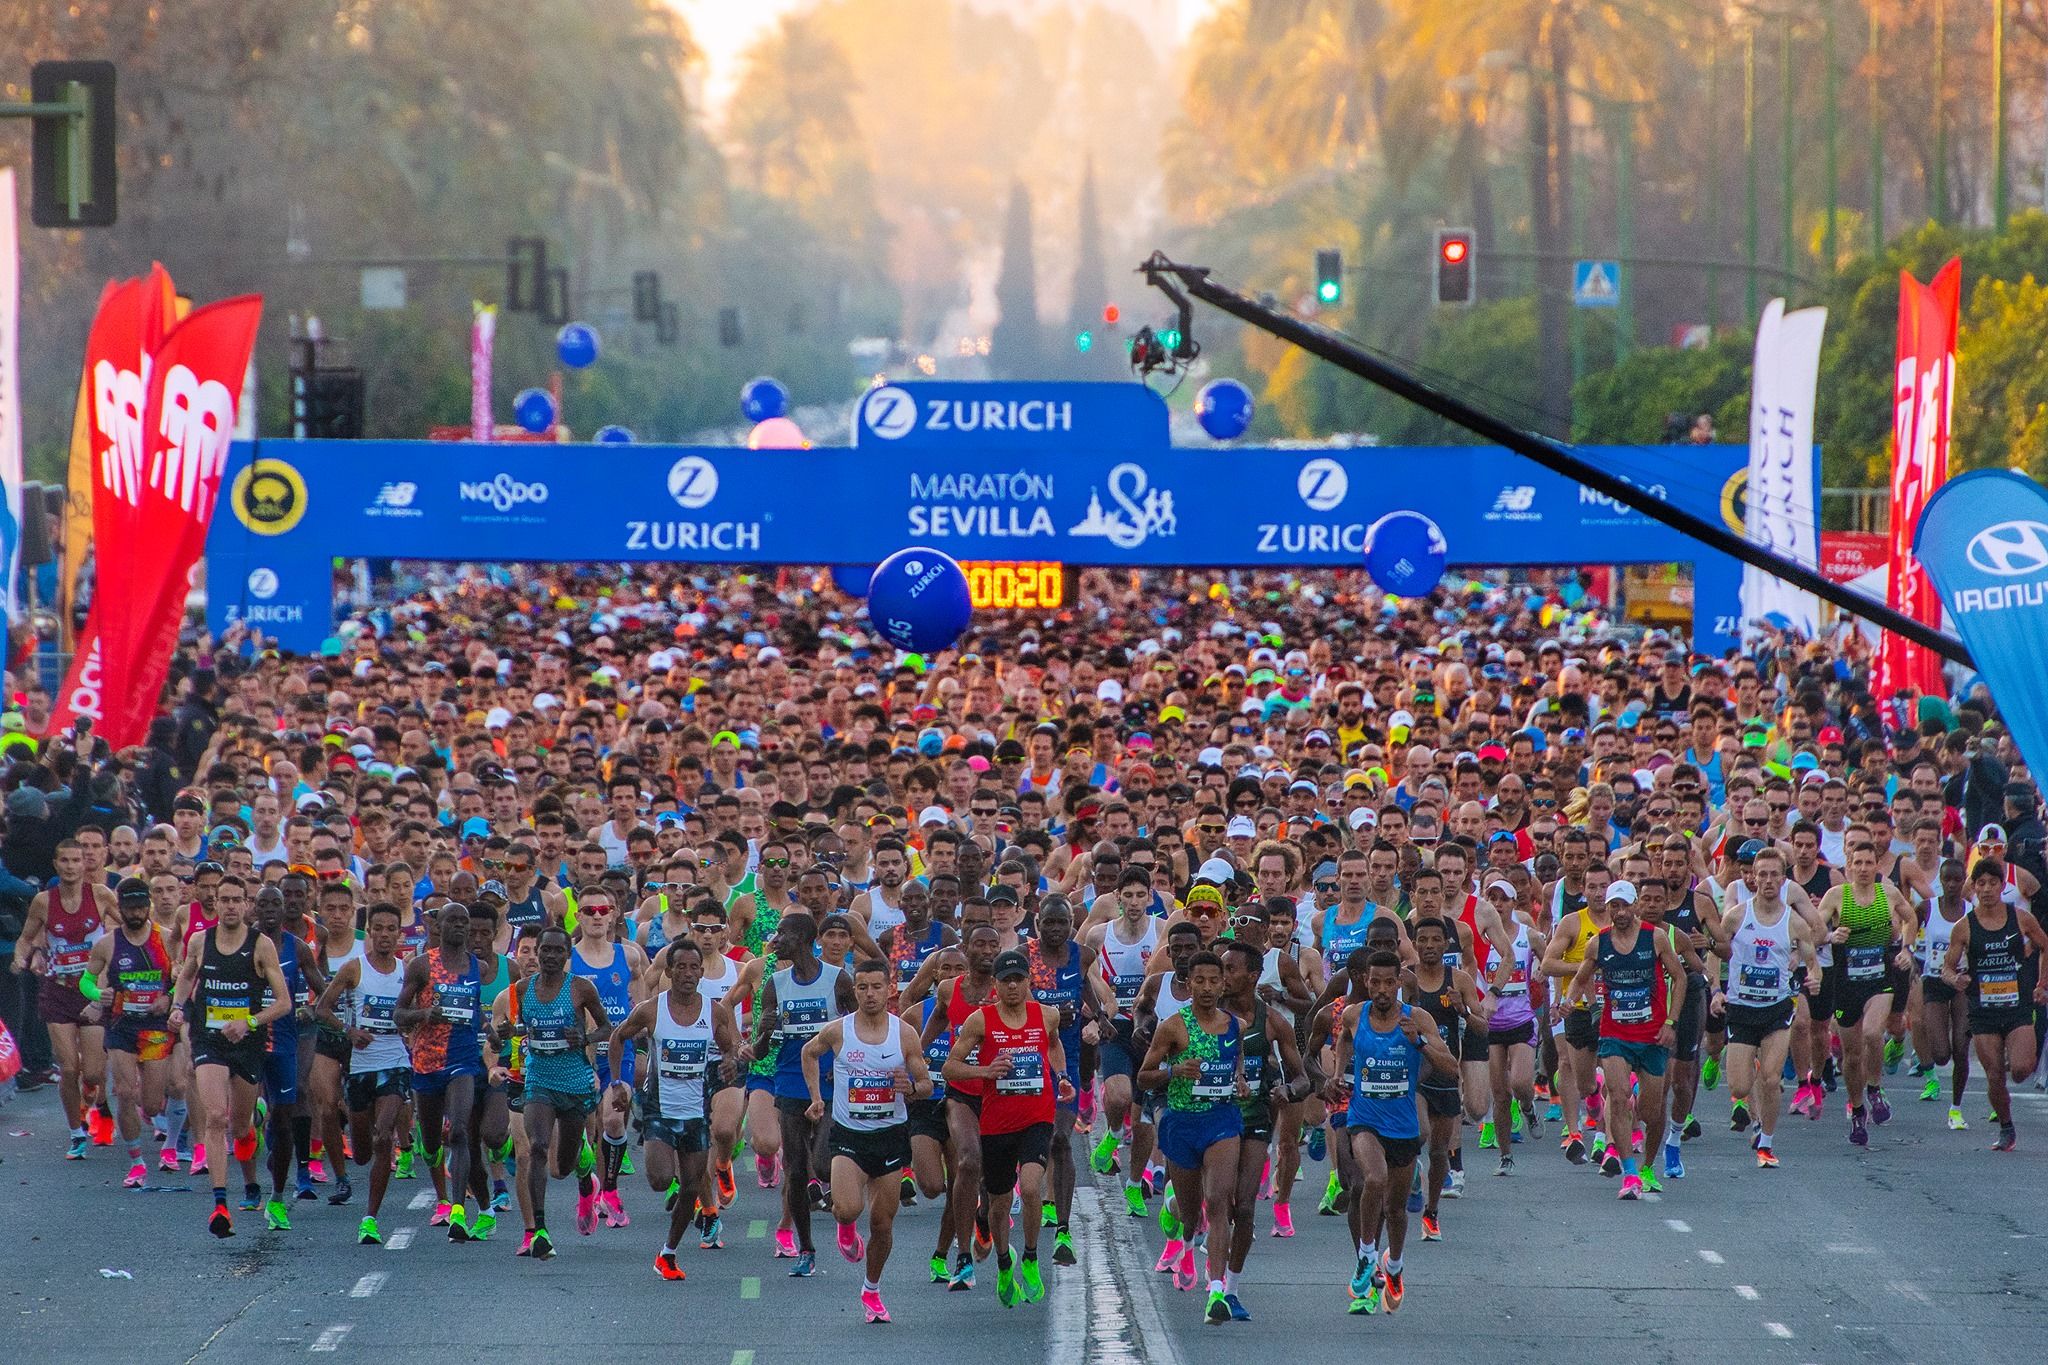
(1091, 290)
(1017, 350)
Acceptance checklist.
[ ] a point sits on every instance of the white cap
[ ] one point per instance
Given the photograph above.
(1497, 884)
(932, 815)
(1991, 834)
(311, 801)
(363, 667)
(498, 719)
(545, 701)
(661, 661)
(1625, 892)
(1241, 827)
(1401, 718)
(1109, 689)
(1216, 870)
(1362, 817)
(1210, 757)
(767, 652)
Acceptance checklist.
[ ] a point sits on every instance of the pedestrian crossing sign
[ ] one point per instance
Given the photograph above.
(1596, 284)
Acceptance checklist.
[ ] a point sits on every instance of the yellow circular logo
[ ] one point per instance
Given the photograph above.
(269, 497)
(1735, 501)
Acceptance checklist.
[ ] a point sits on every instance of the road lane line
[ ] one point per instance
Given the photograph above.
(757, 1229)
(1850, 1249)
(1711, 1257)
(742, 1358)
(1678, 1225)
(330, 1340)
(423, 1200)
(750, 1287)
(399, 1240)
(1131, 1289)
(1779, 1330)
(1748, 1292)
(368, 1285)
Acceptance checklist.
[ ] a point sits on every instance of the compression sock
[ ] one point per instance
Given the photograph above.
(176, 1112)
(614, 1158)
(302, 1137)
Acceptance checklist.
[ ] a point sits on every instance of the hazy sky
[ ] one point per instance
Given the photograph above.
(724, 28)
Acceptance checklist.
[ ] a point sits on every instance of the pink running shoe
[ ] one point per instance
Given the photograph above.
(850, 1244)
(785, 1244)
(198, 1157)
(614, 1212)
(136, 1175)
(1631, 1187)
(586, 1213)
(167, 1159)
(1184, 1276)
(440, 1218)
(316, 1170)
(1174, 1247)
(871, 1303)
(765, 1170)
(1283, 1220)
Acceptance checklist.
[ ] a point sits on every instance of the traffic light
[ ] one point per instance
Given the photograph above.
(728, 327)
(1110, 314)
(1329, 276)
(71, 176)
(1084, 341)
(1454, 265)
(647, 296)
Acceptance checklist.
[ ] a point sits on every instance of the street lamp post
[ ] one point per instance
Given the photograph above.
(1998, 200)
(1940, 205)
(1714, 179)
(1828, 59)
(1876, 101)
(1785, 100)
(1752, 227)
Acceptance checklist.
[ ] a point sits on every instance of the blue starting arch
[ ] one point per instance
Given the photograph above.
(1080, 473)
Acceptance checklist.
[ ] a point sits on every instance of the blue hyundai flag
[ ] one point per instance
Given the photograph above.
(1984, 542)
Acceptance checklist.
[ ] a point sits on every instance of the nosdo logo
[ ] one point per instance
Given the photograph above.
(693, 481)
(504, 492)
(889, 412)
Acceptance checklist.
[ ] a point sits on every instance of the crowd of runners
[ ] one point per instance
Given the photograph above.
(1251, 895)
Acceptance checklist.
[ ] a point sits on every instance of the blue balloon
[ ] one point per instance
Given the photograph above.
(576, 345)
(1405, 553)
(763, 398)
(535, 410)
(853, 579)
(1224, 408)
(918, 600)
(613, 436)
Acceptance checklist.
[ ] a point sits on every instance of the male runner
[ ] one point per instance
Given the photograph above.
(1451, 999)
(970, 991)
(1941, 1034)
(1761, 938)
(1869, 920)
(1067, 976)
(379, 1067)
(300, 964)
(615, 968)
(1126, 945)
(1989, 955)
(128, 980)
(1273, 1076)
(56, 941)
(555, 1015)
(441, 1005)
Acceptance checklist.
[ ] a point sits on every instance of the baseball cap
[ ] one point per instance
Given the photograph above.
(1011, 965)
(476, 827)
(932, 815)
(1362, 817)
(1241, 827)
(1750, 848)
(1625, 892)
(1991, 834)
(133, 891)
(1215, 870)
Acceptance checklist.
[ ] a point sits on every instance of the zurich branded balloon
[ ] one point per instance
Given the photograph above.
(576, 345)
(535, 409)
(853, 579)
(918, 600)
(762, 398)
(1405, 553)
(1224, 408)
(613, 436)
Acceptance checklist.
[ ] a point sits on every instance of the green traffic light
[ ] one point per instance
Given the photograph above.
(1328, 291)
(1170, 338)
(1083, 341)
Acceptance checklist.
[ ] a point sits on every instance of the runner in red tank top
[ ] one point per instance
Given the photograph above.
(963, 1001)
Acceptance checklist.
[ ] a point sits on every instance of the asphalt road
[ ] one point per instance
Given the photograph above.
(1927, 1247)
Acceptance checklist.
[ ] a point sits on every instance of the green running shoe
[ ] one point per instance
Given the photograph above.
(1330, 1193)
(458, 1224)
(1006, 1286)
(402, 1168)
(367, 1234)
(276, 1217)
(1049, 1216)
(1034, 1283)
(939, 1275)
(1932, 1090)
(1218, 1311)
(1650, 1180)
(1894, 1053)
(586, 1158)
(482, 1226)
(1103, 1158)
(1063, 1248)
(1134, 1199)
(626, 1163)
(1710, 1072)
(1486, 1134)
(1169, 1220)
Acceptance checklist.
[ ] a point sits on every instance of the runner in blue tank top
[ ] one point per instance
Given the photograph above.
(615, 969)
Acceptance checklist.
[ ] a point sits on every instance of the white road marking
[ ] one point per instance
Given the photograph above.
(1678, 1225)
(1711, 1257)
(330, 1340)
(1779, 1330)
(423, 1200)
(368, 1285)
(1850, 1249)
(399, 1240)
(1115, 1314)
(1906, 1289)
(1747, 1291)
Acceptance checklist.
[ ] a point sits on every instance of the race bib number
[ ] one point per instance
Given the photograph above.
(1126, 988)
(69, 959)
(459, 1011)
(547, 1040)
(1383, 1079)
(1759, 983)
(377, 1013)
(1866, 964)
(1218, 1080)
(1630, 1005)
(803, 1018)
(1027, 1072)
(1998, 990)
(683, 1059)
(145, 1001)
(870, 1098)
(218, 1017)
(1254, 1067)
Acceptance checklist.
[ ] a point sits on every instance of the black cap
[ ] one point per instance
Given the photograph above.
(1002, 894)
(132, 889)
(1011, 964)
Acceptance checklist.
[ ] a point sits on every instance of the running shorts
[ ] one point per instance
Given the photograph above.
(1185, 1134)
(1003, 1154)
(876, 1151)
(1647, 1058)
(1749, 1025)
(683, 1135)
(365, 1088)
(244, 1060)
(1581, 1030)
(1400, 1151)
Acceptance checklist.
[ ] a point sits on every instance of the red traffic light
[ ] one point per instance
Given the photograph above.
(1455, 249)
(1110, 314)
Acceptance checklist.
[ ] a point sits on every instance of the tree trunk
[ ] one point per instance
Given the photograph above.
(1553, 280)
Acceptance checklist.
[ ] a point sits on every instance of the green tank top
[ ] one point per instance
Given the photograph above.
(1218, 1057)
(1869, 926)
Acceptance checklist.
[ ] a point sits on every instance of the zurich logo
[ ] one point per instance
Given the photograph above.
(693, 481)
(889, 412)
(1322, 484)
(2010, 548)
(263, 584)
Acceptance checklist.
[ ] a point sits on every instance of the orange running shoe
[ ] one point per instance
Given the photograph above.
(666, 1267)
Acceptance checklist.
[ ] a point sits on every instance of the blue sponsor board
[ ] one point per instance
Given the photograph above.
(1079, 473)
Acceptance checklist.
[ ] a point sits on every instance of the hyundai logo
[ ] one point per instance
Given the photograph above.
(2010, 549)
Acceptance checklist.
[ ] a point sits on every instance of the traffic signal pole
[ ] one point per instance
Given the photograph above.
(1559, 458)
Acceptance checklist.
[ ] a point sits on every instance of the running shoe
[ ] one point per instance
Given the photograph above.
(1063, 1248)
(1283, 1220)
(525, 1244)
(713, 1235)
(167, 1159)
(458, 1223)
(872, 1305)
(1894, 1053)
(666, 1267)
(1031, 1279)
(626, 1166)
(1103, 1158)
(586, 1213)
(1766, 1159)
(1455, 1188)
(1880, 1107)
(963, 1275)
(982, 1245)
(501, 1196)
(2008, 1138)
(1432, 1230)
(1006, 1286)
(1710, 1072)
(305, 1192)
(79, 1143)
(198, 1162)
(1169, 1217)
(1049, 1215)
(850, 1244)
(252, 1198)
(1932, 1090)
(482, 1226)
(276, 1216)
(728, 1188)
(1507, 1166)
(785, 1244)
(1394, 1290)
(1218, 1311)
(1691, 1129)
(1316, 1143)
(1363, 1283)
(1738, 1118)
(1134, 1199)
(222, 1223)
(805, 1267)
(1168, 1257)
(244, 1147)
(1610, 1163)
(939, 1275)
(317, 1169)
(1631, 1187)
(1956, 1122)
(343, 1191)
(1184, 1274)
(1486, 1134)
(821, 1198)
(1674, 1161)
(767, 1170)
(1651, 1184)
(367, 1233)
(1328, 1207)
(1238, 1312)
(401, 1169)
(1859, 1134)
(439, 1218)
(543, 1245)
(137, 1174)
(1574, 1148)
(615, 1213)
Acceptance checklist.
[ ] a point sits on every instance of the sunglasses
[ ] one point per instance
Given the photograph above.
(1244, 921)
(1211, 829)
(775, 862)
